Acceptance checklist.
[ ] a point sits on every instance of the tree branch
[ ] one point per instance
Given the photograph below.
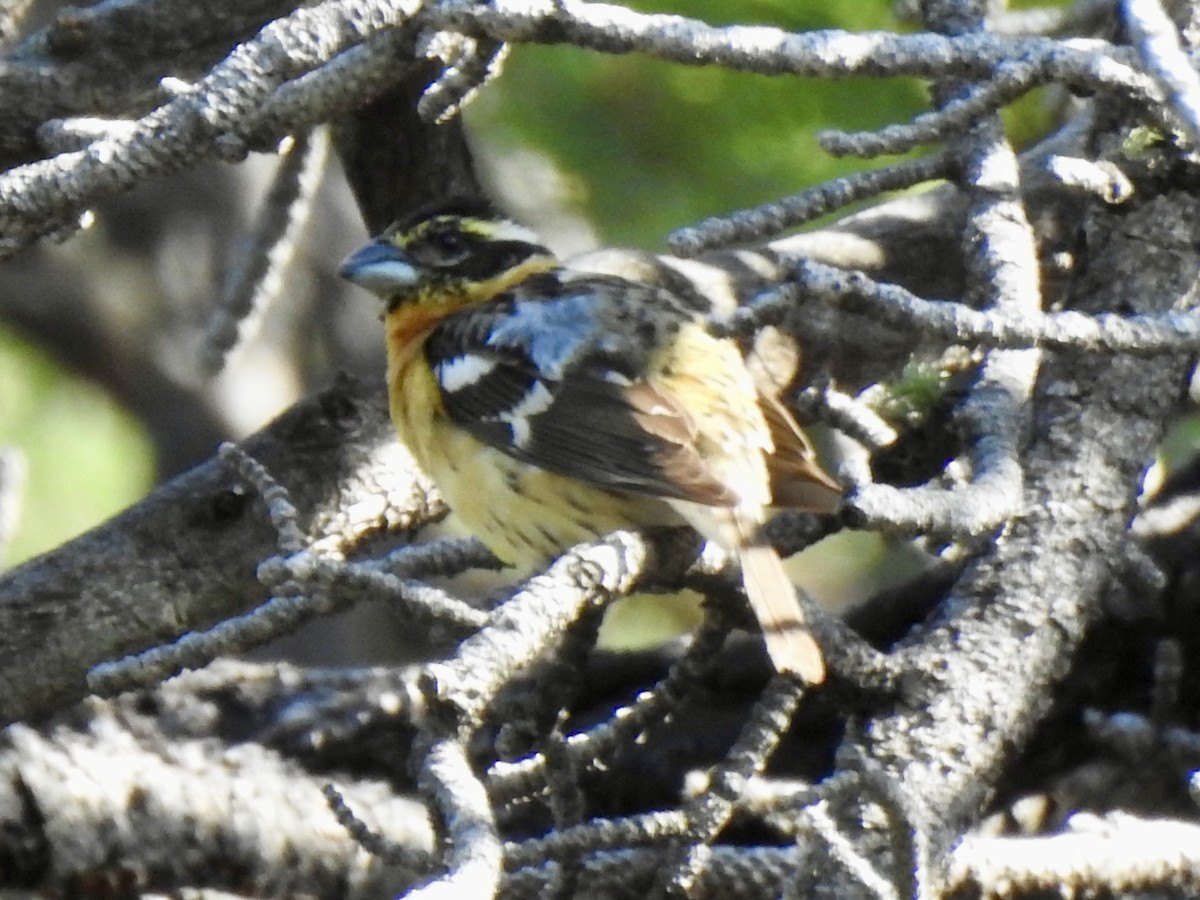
(186, 556)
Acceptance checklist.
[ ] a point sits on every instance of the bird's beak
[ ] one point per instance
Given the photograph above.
(380, 267)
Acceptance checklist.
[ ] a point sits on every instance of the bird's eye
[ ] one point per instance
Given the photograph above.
(447, 247)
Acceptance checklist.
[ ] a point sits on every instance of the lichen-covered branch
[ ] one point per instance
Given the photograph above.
(1054, 296)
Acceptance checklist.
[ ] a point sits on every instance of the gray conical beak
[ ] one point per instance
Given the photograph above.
(381, 267)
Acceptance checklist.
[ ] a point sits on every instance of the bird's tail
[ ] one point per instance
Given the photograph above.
(773, 598)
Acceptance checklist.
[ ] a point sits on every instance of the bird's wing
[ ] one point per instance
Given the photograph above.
(567, 383)
(797, 480)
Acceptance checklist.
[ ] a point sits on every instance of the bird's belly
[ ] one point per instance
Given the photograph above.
(525, 515)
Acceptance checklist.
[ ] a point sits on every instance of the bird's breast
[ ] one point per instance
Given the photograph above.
(525, 515)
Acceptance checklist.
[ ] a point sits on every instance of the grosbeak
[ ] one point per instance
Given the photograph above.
(552, 406)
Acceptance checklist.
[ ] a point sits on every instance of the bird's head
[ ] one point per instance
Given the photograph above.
(454, 252)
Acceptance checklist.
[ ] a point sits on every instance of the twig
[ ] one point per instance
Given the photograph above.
(521, 629)
(773, 51)
(200, 123)
(1158, 333)
(474, 857)
(710, 810)
(512, 782)
(392, 852)
(1009, 81)
(470, 64)
(772, 218)
(1157, 43)
(258, 280)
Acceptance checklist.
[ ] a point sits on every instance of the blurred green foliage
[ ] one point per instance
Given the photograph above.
(86, 458)
(651, 146)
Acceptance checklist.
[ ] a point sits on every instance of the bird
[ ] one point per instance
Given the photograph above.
(552, 406)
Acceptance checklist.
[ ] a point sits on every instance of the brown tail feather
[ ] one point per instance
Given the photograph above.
(773, 598)
(797, 480)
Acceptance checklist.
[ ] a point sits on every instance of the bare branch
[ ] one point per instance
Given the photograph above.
(773, 218)
(1116, 855)
(710, 810)
(470, 64)
(1157, 43)
(258, 281)
(771, 51)
(195, 125)
(522, 628)
(512, 782)
(106, 60)
(1169, 331)
(474, 854)
(63, 613)
(85, 799)
(1072, 328)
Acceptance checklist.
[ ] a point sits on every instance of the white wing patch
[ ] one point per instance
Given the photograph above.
(464, 371)
(538, 400)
